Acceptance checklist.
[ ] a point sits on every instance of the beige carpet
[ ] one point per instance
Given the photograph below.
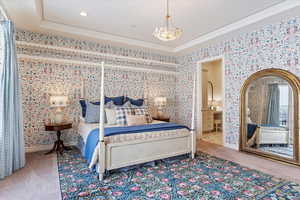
(213, 137)
(38, 180)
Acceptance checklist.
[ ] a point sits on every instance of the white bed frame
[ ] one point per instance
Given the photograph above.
(267, 135)
(117, 155)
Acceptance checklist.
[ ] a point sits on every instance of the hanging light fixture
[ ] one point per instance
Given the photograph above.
(167, 32)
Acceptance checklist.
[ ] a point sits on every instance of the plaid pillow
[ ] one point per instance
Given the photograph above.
(143, 111)
(121, 113)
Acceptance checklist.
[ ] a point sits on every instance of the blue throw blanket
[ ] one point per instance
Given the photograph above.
(93, 137)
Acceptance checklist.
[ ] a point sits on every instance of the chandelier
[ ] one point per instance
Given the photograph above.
(167, 32)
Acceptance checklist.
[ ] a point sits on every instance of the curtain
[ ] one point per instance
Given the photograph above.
(12, 153)
(273, 105)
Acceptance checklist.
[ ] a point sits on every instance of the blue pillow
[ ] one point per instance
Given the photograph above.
(136, 102)
(116, 100)
(83, 106)
(92, 113)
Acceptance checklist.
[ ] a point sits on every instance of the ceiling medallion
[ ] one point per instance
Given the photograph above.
(167, 32)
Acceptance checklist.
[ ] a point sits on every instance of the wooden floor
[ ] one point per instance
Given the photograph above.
(213, 137)
(39, 179)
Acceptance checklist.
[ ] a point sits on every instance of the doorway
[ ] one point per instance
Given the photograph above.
(211, 102)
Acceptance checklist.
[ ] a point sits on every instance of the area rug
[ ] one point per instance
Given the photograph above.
(205, 177)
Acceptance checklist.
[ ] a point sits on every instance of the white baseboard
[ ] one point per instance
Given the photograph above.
(44, 147)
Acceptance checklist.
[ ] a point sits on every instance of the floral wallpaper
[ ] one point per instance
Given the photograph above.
(61, 41)
(272, 46)
(41, 79)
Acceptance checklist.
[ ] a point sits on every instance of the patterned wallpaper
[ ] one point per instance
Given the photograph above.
(61, 41)
(41, 78)
(272, 46)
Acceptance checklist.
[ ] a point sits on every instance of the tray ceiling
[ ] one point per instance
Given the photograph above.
(133, 21)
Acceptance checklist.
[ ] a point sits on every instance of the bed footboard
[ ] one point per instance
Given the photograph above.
(136, 152)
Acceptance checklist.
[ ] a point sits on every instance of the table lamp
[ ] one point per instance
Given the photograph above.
(160, 103)
(58, 103)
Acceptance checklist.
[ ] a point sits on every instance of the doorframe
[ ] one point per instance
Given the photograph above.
(199, 94)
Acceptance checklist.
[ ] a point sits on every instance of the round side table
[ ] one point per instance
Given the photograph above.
(59, 144)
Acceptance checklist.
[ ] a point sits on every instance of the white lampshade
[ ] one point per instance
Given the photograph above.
(216, 103)
(58, 101)
(160, 101)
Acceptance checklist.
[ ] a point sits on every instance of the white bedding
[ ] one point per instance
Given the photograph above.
(85, 128)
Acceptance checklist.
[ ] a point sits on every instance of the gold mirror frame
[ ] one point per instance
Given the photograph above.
(295, 85)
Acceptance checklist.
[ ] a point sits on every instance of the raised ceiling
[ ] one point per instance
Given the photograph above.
(133, 21)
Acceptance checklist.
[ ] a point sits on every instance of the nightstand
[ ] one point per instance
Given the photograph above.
(59, 144)
(165, 119)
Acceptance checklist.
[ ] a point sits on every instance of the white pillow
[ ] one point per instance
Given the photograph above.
(143, 110)
(111, 116)
(134, 120)
(81, 119)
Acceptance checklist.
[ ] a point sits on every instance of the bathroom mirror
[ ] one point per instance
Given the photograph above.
(269, 115)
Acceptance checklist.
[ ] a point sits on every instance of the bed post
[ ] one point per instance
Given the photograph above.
(193, 132)
(82, 91)
(102, 153)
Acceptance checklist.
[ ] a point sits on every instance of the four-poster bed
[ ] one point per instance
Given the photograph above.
(139, 144)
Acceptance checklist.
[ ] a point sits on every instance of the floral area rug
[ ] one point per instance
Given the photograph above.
(205, 177)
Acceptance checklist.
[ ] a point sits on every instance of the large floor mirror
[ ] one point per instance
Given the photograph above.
(270, 115)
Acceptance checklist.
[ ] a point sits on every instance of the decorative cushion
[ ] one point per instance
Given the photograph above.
(134, 120)
(125, 105)
(143, 111)
(83, 106)
(135, 102)
(109, 105)
(116, 100)
(112, 112)
(111, 116)
(92, 113)
(121, 113)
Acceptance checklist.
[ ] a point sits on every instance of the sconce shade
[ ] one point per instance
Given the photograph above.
(160, 101)
(58, 101)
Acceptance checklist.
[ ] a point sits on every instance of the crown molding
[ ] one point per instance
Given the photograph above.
(271, 11)
(276, 9)
(94, 53)
(91, 64)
